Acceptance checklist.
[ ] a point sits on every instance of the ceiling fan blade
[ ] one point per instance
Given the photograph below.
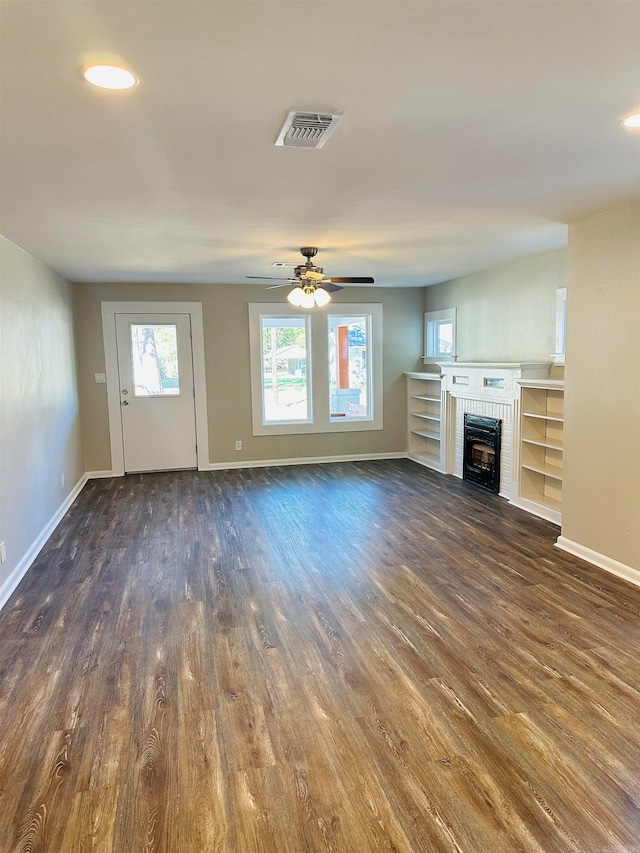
(328, 285)
(282, 264)
(284, 284)
(271, 277)
(352, 279)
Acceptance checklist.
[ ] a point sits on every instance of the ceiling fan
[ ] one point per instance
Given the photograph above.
(313, 286)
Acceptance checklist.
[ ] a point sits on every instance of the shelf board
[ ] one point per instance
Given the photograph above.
(543, 500)
(428, 457)
(544, 442)
(428, 399)
(544, 417)
(426, 416)
(426, 434)
(547, 470)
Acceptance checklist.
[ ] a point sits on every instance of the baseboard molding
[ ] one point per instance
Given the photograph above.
(621, 570)
(303, 460)
(100, 475)
(8, 587)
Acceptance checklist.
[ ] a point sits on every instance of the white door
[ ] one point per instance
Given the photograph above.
(155, 368)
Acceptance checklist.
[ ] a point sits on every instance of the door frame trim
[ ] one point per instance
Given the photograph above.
(194, 309)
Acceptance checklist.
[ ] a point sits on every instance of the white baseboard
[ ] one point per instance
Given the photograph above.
(601, 560)
(8, 587)
(303, 460)
(99, 475)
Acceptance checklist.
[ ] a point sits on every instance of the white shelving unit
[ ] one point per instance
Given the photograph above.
(541, 437)
(425, 420)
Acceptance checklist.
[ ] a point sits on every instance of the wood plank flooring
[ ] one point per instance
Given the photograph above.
(347, 658)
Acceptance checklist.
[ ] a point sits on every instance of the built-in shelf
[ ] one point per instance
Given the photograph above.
(426, 416)
(551, 443)
(545, 417)
(426, 433)
(547, 470)
(425, 442)
(541, 441)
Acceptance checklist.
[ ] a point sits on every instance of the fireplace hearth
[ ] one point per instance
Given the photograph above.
(481, 461)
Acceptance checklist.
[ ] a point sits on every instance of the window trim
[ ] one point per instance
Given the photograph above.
(317, 367)
(431, 318)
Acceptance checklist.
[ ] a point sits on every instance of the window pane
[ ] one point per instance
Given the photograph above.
(285, 387)
(348, 368)
(444, 340)
(154, 359)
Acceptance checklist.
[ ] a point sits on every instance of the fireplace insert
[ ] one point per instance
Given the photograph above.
(481, 461)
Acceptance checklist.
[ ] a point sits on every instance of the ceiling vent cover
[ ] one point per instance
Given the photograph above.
(307, 130)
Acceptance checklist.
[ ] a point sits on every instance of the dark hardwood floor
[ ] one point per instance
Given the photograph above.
(349, 658)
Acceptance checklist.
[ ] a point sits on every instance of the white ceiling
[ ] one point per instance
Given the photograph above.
(472, 133)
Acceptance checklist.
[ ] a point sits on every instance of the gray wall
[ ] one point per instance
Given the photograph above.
(506, 313)
(601, 489)
(226, 333)
(39, 418)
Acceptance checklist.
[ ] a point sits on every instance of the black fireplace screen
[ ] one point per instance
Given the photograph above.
(481, 463)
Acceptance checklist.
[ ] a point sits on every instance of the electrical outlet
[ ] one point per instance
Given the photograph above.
(3, 552)
(238, 445)
(62, 480)
(100, 377)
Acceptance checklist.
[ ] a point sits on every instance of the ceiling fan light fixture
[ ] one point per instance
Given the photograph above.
(307, 300)
(110, 77)
(631, 121)
(296, 296)
(321, 297)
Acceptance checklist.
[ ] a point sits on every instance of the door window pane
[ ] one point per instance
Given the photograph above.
(154, 359)
(285, 369)
(349, 368)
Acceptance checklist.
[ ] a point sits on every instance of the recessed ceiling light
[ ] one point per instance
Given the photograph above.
(110, 77)
(631, 121)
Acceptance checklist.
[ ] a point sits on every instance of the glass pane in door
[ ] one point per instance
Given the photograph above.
(154, 360)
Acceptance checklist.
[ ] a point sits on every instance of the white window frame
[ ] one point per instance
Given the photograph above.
(318, 367)
(432, 320)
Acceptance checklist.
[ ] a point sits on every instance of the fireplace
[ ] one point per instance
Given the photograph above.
(481, 462)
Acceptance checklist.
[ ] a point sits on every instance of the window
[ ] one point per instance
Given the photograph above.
(348, 357)
(561, 325)
(154, 360)
(285, 379)
(440, 335)
(318, 371)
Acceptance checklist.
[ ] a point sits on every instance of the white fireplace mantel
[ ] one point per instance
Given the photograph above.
(489, 380)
